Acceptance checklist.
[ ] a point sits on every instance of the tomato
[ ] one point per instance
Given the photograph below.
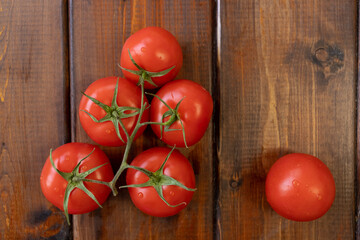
(146, 198)
(194, 112)
(300, 187)
(154, 49)
(104, 133)
(65, 158)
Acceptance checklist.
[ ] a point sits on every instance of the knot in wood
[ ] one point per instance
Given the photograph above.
(330, 57)
(321, 55)
(235, 181)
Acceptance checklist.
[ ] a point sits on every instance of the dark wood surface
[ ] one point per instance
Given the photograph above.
(95, 54)
(283, 75)
(34, 113)
(291, 88)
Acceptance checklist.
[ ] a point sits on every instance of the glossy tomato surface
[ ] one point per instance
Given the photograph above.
(65, 159)
(103, 90)
(300, 187)
(195, 111)
(154, 49)
(146, 198)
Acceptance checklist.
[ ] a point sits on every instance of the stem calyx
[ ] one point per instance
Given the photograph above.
(114, 113)
(158, 179)
(76, 179)
(174, 116)
(145, 76)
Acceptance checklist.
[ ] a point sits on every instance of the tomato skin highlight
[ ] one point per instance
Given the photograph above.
(195, 111)
(300, 187)
(147, 199)
(65, 159)
(103, 90)
(154, 49)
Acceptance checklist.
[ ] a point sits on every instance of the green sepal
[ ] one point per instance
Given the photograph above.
(172, 181)
(77, 167)
(154, 95)
(65, 175)
(157, 179)
(178, 105)
(161, 73)
(159, 191)
(68, 190)
(145, 184)
(127, 115)
(161, 169)
(167, 180)
(71, 187)
(97, 102)
(167, 114)
(113, 101)
(145, 76)
(124, 129)
(75, 179)
(104, 119)
(129, 70)
(88, 172)
(116, 122)
(114, 113)
(133, 61)
(183, 131)
(90, 194)
(174, 116)
(97, 181)
(143, 170)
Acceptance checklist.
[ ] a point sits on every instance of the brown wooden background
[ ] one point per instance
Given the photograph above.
(284, 78)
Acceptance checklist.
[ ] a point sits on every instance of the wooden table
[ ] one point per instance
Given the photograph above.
(284, 78)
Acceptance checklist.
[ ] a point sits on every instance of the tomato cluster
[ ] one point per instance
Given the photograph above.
(114, 111)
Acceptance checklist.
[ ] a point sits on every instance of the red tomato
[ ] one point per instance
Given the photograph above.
(146, 198)
(129, 95)
(154, 49)
(300, 187)
(65, 159)
(194, 111)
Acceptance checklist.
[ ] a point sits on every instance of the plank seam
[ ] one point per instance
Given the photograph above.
(68, 81)
(71, 71)
(357, 162)
(216, 38)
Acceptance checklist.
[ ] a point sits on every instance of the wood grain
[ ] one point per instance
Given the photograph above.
(283, 77)
(357, 165)
(287, 84)
(33, 110)
(98, 31)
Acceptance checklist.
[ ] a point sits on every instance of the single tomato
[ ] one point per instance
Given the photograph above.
(177, 168)
(65, 159)
(128, 101)
(300, 187)
(190, 117)
(154, 49)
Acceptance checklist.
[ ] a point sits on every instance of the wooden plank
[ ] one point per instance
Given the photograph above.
(287, 78)
(98, 32)
(357, 230)
(34, 113)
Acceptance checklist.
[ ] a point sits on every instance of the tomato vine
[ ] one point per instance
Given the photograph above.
(115, 113)
(124, 120)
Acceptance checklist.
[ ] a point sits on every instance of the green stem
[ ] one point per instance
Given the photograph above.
(152, 123)
(144, 76)
(171, 120)
(130, 139)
